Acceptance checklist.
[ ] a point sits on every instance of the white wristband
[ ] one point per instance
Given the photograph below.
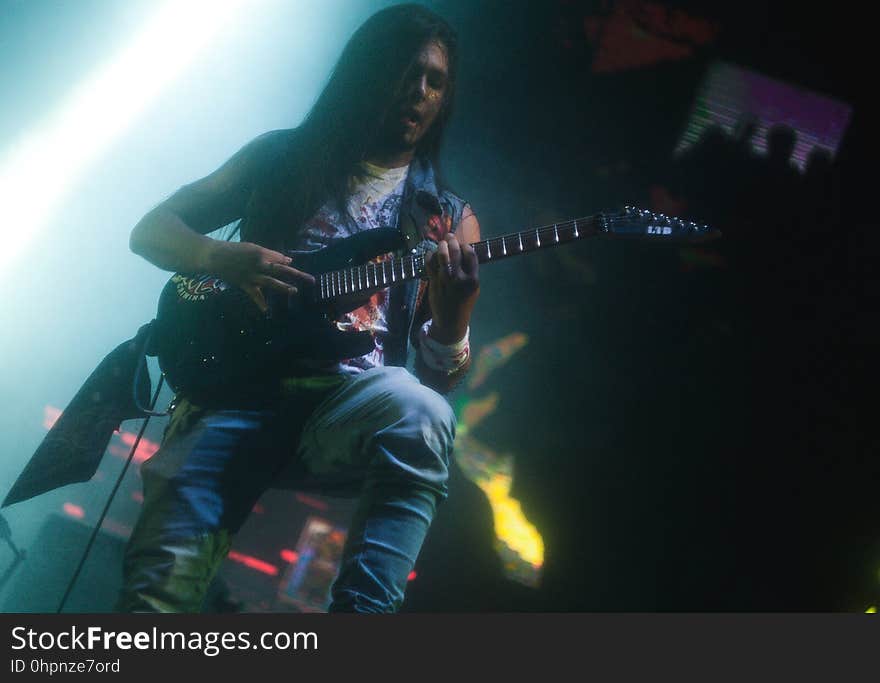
(445, 358)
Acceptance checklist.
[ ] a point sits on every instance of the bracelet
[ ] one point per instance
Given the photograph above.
(445, 358)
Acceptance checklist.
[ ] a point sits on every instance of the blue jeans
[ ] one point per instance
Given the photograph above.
(380, 435)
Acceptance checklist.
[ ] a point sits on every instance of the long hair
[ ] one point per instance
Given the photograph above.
(326, 150)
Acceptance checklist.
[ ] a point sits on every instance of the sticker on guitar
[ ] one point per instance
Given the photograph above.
(197, 288)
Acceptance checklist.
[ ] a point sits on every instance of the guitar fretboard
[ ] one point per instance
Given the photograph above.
(372, 276)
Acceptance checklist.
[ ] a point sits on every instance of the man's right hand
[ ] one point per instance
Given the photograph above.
(253, 268)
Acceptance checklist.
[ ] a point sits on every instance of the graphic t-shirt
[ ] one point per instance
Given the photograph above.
(374, 202)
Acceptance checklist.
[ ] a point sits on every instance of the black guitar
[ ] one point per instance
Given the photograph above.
(209, 335)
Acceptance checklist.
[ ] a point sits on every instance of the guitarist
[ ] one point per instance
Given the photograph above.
(364, 157)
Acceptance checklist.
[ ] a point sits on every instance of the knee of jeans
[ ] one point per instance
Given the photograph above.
(434, 417)
(417, 443)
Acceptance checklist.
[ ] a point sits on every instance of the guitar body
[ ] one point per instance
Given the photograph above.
(212, 339)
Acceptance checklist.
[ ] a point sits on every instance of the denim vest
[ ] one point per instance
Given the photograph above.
(426, 215)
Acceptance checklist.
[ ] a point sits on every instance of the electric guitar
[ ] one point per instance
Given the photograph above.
(211, 337)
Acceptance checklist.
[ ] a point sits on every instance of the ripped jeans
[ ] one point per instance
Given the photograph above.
(380, 435)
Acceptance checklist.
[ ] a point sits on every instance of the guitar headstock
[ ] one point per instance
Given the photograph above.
(633, 222)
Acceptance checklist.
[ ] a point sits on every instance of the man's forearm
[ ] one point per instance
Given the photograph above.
(164, 240)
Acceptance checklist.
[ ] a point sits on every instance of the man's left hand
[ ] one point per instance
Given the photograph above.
(453, 270)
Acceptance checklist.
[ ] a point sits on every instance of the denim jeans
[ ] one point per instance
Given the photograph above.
(380, 435)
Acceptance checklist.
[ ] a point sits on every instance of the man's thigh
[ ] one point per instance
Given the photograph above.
(383, 417)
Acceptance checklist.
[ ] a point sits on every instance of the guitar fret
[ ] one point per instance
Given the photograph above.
(366, 276)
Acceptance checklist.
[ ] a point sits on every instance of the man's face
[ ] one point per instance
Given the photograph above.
(421, 99)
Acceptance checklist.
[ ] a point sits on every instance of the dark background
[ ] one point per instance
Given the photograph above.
(685, 438)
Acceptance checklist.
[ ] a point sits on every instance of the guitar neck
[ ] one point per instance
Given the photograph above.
(631, 223)
(496, 248)
(373, 276)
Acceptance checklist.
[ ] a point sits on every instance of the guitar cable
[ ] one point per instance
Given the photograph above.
(149, 414)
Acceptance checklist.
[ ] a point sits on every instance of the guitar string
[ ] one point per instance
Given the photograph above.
(345, 278)
(340, 278)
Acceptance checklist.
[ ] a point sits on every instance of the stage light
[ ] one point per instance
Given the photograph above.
(253, 563)
(43, 165)
(511, 526)
(74, 511)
